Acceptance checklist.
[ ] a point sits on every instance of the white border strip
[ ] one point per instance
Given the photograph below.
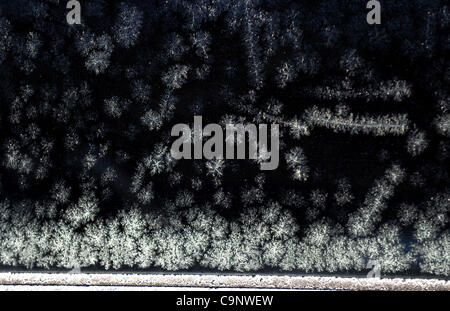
(222, 281)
